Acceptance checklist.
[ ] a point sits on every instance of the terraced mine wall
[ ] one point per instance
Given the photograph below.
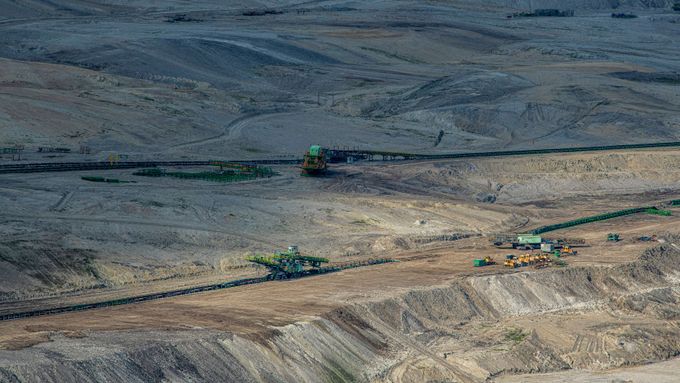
(187, 291)
(403, 337)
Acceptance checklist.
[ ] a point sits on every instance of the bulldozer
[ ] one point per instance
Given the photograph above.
(567, 250)
(512, 263)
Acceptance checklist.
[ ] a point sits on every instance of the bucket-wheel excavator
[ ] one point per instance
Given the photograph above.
(289, 264)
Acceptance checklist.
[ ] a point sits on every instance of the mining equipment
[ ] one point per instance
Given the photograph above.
(289, 264)
(538, 260)
(314, 162)
(512, 262)
(565, 251)
(570, 241)
(518, 241)
(528, 242)
(533, 242)
(487, 261)
(568, 250)
(500, 239)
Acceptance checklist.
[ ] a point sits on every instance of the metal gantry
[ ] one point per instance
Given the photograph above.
(288, 264)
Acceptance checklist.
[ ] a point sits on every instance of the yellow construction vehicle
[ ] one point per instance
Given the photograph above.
(525, 259)
(568, 250)
(515, 261)
(484, 262)
(538, 260)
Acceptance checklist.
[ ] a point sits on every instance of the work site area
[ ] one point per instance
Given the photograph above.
(445, 191)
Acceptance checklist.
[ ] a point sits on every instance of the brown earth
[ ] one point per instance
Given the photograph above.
(228, 80)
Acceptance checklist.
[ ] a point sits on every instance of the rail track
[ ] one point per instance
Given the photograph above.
(186, 291)
(336, 155)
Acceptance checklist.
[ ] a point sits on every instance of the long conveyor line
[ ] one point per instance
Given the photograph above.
(595, 218)
(83, 166)
(501, 153)
(335, 154)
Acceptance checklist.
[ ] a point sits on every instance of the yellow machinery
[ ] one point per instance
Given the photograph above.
(526, 260)
(568, 250)
(484, 262)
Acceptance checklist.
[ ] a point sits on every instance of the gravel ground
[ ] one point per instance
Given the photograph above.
(175, 80)
(383, 75)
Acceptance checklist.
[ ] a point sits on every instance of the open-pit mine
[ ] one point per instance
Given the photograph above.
(340, 191)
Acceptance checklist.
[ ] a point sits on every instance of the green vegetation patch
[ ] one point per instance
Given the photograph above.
(515, 335)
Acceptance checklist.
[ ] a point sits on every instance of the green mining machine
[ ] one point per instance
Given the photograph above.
(314, 163)
(288, 264)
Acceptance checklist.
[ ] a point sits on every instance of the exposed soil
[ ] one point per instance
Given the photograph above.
(173, 80)
(375, 324)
